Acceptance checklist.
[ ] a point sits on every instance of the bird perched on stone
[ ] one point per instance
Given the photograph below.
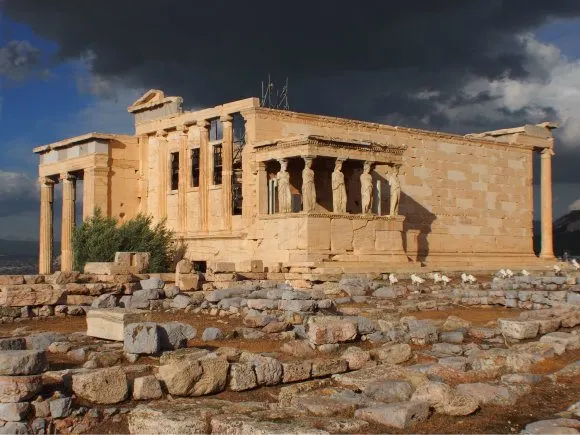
(445, 279)
(575, 264)
(416, 279)
(502, 274)
(436, 277)
(557, 269)
(392, 278)
(525, 272)
(509, 273)
(471, 279)
(464, 278)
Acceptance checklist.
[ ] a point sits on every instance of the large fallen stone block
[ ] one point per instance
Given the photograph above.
(31, 295)
(146, 388)
(180, 377)
(103, 386)
(400, 415)
(165, 417)
(12, 344)
(392, 353)
(110, 323)
(488, 394)
(19, 388)
(22, 362)
(360, 379)
(108, 268)
(214, 377)
(444, 399)
(331, 332)
(268, 370)
(242, 377)
(14, 411)
(188, 281)
(518, 329)
(142, 338)
(174, 335)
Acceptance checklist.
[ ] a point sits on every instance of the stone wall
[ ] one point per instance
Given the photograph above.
(459, 195)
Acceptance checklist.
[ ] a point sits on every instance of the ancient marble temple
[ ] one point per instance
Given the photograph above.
(240, 182)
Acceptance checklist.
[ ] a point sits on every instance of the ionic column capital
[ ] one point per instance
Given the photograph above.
(547, 153)
(203, 124)
(161, 134)
(67, 176)
(46, 182)
(226, 118)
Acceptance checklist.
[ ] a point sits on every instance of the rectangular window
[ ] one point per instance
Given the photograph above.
(195, 167)
(174, 171)
(215, 130)
(217, 164)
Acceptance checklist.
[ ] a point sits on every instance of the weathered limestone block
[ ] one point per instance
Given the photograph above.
(33, 294)
(19, 388)
(400, 415)
(180, 377)
(268, 370)
(142, 338)
(22, 362)
(108, 268)
(242, 377)
(331, 332)
(356, 357)
(214, 377)
(174, 335)
(518, 329)
(103, 386)
(110, 323)
(389, 391)
(11, 279)
(147, 388)
(294, 371)
(392, 353)
(79, 299)
(360, 379)
(14, 411)
(169, 417)
(329, 366)
(252, 266)
(444, 399)
(488, 394)
(222, 267)
(562, 341)
(188, 281)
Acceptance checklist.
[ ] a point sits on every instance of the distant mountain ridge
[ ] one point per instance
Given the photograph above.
(18, 247)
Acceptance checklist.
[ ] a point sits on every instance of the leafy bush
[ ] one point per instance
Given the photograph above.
(99, 237)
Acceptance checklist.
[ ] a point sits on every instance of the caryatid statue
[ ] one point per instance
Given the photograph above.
(308, 187)
(366, 188)
(395, 186)
(338, 189)
(284, 193)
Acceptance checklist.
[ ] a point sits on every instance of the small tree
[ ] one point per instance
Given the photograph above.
(99, 237)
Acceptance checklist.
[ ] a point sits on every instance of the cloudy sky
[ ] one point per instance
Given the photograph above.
(69, 67)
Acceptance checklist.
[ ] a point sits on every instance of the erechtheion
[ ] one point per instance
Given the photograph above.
(240, 182)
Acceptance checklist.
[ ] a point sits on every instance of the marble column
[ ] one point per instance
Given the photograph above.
(163, 168)
(68, 221)
(183, 176)
(46, 225)
(263, 189)
(547, 250)
(205, 173)
(227, 174)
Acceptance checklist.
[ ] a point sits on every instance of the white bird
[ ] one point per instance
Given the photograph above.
(575, 264)
(393, 279)
(415, 279)
(446, 280)
(557, 269)
(437, 277)
(509, 273)
(471, 279)
(502, 273)
(525, 272)
(464, 278)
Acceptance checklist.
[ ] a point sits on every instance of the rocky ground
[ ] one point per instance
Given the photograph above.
(356, 355)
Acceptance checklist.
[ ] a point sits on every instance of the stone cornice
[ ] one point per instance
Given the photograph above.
(414, 133)
(331, 142)
(80, 139)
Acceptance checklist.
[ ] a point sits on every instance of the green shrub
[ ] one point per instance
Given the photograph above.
(99, 237)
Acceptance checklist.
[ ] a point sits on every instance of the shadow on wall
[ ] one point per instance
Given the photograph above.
(417, 224)
(418, 220)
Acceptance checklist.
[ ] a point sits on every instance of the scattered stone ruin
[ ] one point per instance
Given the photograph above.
(293, 351)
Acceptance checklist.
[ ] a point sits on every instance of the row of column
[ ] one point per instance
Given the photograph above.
(205, 172)
(95, 194)
(339, 197)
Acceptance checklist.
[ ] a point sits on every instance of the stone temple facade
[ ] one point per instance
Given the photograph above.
(240, 182)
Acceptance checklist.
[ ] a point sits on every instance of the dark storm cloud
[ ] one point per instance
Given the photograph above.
(363, 60)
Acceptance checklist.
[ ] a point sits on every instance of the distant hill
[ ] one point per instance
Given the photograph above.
(567, 234)
(18, 247)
